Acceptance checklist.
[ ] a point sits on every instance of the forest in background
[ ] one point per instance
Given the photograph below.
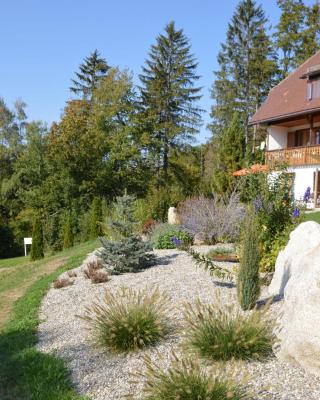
(115, 137)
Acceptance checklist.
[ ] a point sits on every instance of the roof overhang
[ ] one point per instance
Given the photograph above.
(283, 118)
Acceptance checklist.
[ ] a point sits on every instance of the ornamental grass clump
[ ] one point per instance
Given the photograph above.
(129, 320)
(185, 380)
(224, 333)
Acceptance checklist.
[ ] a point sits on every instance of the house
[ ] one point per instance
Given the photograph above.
(291, 114)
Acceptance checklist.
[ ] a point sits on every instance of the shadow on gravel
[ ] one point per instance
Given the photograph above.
(228, 285)
(269, 300)
(165, 260)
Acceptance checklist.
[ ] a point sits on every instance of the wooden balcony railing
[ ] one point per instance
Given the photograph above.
(305, 155)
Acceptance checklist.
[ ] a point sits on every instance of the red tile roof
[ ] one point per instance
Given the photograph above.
(289, 97)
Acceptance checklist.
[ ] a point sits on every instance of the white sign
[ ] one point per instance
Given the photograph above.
(26, 241)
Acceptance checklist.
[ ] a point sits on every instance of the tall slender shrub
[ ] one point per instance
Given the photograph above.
(248, 284)
(68, 237)
(96, 218)
(36, 252)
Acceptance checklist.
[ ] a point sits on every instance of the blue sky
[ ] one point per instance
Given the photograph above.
(43, 43)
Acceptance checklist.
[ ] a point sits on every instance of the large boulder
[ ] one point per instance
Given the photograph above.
(299, 324)
(303, 239)
(173, 216)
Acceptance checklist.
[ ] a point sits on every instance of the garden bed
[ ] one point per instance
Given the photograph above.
(102, 375)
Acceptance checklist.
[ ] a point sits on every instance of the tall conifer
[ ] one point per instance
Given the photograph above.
(169, 110)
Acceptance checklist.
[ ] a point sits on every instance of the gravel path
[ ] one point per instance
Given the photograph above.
(103, 376)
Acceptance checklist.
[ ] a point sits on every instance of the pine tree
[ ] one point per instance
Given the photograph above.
(248, 283)
(169, 110)
(247, 68)
(68, 237)
(230, 154)
(91, 71)
(126, 252)
(96, 218)
(37, 241)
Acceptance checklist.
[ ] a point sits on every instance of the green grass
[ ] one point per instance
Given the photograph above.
(314, 216)
(25, 373)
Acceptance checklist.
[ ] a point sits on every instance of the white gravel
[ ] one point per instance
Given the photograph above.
(103, 376)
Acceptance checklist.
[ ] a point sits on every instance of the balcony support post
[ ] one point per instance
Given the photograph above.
(315, 195)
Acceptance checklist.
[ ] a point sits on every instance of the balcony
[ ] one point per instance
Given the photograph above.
(304, 155)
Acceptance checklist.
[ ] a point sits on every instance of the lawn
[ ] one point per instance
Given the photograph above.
(314, 216)
(26, 373)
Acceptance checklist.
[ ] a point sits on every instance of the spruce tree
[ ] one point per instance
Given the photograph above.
(96, 218)
(230, 154)
(91, 71)
(248, 283)
(36, 252)
(125, 251)
(169, 111)
(289, 34)
(247, 70)
(68, 237)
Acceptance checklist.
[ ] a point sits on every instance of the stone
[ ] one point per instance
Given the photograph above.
(298, 325)
(198, 239)
(173, 217)
(303, 239)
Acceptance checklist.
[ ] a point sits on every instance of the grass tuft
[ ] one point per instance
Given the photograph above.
(184, 380)
(223, 334)
(129, 320)
(62, 282)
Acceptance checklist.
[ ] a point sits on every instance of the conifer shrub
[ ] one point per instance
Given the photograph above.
(248, 280)
(224, 333)
(129, 320)
(37, 246)
(96, 218)
(125, 251)
(68, 237)
(185, 380)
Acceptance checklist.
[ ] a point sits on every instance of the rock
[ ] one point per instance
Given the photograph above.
(173, 217)
(298, 331)
(91, 258)
(303, 239)
(198, 239)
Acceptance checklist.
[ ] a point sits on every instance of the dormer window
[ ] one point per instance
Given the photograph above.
(313, 88)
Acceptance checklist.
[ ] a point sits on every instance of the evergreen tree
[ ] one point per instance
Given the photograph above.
(289, 34)
(247, 68)
(248, 283)
(96, 218)
(230, 154)
(37, 241)
(68, 237)
(91, 71)
(126, 252)
(169, 112)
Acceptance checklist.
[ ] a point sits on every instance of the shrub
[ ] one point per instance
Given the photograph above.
(222, 333)
(148, 226)
(248, 282)
(163, 234)
(96, 218)
(128, 253)
(68, 237)
(37, 241)
(185, 380)
(94, 272)
(129, 320)
(220, 251)
(216, 219)
(62, 282)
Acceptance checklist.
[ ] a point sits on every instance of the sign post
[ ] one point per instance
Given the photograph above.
(26, 242)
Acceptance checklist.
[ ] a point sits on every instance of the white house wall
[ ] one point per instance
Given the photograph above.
(303, 179)
(277, 137)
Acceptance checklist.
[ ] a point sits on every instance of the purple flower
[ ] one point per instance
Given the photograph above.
(296, 212)
(257, 204)
(307, 195)
(177, 242)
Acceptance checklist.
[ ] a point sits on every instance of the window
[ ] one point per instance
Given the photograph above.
(313, 89)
